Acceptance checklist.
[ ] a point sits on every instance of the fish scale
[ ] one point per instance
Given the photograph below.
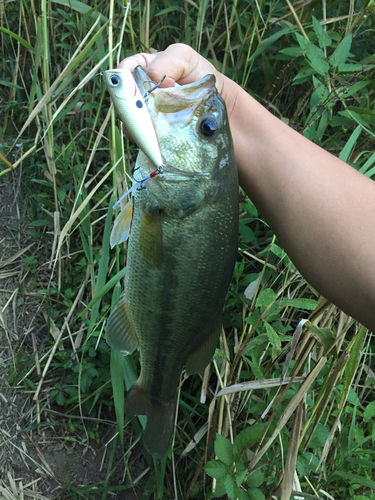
(181, 252)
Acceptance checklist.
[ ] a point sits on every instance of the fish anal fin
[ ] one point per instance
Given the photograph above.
(160, 418)
(150, 239)
(120, 331)
(199, 359)
(121, 227)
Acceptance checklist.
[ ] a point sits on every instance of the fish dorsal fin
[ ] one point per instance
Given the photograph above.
(121, 227)
(150, 238)
(199, 359)
(120, 332)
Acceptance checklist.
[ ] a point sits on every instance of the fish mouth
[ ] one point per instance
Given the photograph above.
(174, 99)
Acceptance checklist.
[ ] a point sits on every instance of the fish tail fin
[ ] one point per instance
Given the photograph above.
(160, 418)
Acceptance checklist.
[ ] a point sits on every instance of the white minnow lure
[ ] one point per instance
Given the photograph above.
(132, 110)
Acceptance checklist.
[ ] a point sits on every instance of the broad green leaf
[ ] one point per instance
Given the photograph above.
(319, 437)
(231, 487)
(324, 336)
(19, 39)
(255, 478)
(247, 438)
(303, 42)
(349, 68)
(216, 469)
(292, 51)
(354, 478)
(320, 89)
(346, 152)
(265, 298)
(272, 336)
(255, 494)
(240, 476)
(320, 65)
(224, 449)
(323, 38)
(353, 89)
(341, 53)
(303, 75)
(369, 412)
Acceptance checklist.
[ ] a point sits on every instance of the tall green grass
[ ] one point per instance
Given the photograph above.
(299, 415)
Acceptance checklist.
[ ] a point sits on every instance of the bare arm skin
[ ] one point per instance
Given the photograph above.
(321, 209)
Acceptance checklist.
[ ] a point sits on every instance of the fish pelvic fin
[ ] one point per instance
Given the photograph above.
(160, 418)
(150, 239)
(120, 332)
(121, 227)
(199, 359)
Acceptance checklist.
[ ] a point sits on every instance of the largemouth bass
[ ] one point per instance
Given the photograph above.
(181, 251)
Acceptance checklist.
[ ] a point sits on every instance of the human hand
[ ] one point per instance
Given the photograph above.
(180, 63)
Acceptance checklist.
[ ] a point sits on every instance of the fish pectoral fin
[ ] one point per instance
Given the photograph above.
(160, 418)
(199, 359)
(150, 238)
(121, 227)
(120, 332)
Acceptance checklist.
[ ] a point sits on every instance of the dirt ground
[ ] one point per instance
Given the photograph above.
(51, 461)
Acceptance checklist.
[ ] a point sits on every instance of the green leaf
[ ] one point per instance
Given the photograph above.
(255, 478)
(5, 83)
(303, 42)
(341, 53)
(247, 438)
(323, 335)
(323, 37)
(240, 476)
(353, 89)
(266, 42)
(308, 304)
(346, 152)
(19, 39)
(216, 469)
(321, 90)
(265, 298)
(81, 7)
(354, 478)
(361, 461)
(369, 411)
(320, 65)
(255, 494)
(272, 336)
(349, 68)
(292, 51)
(319, 437)
(351, 365)
(231, 487)
(224, 449)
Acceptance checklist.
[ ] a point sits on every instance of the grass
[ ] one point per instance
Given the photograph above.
(300, 413)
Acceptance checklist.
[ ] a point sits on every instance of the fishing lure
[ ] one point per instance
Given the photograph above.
(132, 110)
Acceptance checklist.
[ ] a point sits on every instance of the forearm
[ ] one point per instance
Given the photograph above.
(321, 209)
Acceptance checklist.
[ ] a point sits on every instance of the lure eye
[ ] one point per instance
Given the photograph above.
(114, 81)
(208, 127)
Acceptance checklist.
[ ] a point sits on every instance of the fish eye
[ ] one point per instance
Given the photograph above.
(208, 127)
(114, 81)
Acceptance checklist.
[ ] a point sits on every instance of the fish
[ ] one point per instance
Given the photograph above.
(183, 242)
